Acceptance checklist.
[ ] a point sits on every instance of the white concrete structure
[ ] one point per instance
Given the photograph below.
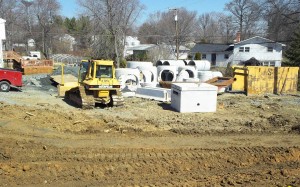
(200, 65)
(267, 52)
(2, 37)
(194, 97)
(159, 94)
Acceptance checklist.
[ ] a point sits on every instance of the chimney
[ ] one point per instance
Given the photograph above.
(238, 37)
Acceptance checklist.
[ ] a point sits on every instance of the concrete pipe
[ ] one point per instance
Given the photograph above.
(129, 82)
(204, 75)
(135, 64)
(182, 75)
(147, 76)
(201, 65)
(145, 71)
(127, 71)
(217, 74)
(174, 63)
(190, 70)
(166, 73)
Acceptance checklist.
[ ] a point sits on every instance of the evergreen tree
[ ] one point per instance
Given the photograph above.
(293, 53)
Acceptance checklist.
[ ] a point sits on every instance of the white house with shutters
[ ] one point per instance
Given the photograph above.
(267, 52)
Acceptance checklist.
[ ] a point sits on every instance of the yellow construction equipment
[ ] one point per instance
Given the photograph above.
(96, 84)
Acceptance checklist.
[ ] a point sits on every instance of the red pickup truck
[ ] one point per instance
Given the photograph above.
(10, 78)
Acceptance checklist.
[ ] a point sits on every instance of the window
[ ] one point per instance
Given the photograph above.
(203, 56)
(268, 63)
(226, 56)
(247, 49)
(104, 71)
(270, 49)
(241, 49)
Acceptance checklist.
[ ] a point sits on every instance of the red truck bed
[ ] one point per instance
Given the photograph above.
(10, 78)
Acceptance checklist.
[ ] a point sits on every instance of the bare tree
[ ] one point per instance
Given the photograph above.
(10, 11)
(227, 29)
(44, 12)
(160, 27)
(282, 17)
(247, 14)
(111, 20)
(207, 25)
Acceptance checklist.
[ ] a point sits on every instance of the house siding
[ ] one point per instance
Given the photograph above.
(220, 60)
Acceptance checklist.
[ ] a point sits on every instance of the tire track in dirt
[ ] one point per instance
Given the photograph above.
(33, 164)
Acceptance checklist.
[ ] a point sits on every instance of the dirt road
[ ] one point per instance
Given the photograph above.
(250, 141)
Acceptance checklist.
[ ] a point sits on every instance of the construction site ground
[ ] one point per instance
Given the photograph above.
(249, 141)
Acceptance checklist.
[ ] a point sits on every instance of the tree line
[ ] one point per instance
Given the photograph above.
(101, 25)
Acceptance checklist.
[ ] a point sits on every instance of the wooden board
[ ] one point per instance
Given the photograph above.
(37, 70)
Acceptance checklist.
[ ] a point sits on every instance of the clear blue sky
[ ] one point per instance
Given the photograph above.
(70, 8)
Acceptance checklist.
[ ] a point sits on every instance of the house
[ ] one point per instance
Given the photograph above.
(130, 44)
(267, 52)
(217, 54)
(182, 54)
(162, 51)
(67, 40)
(142, 50)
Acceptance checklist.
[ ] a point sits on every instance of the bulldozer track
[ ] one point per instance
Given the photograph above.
(118, 100)
(79, 97)
(88, 101)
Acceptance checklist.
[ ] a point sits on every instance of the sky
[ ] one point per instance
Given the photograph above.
(70, 8)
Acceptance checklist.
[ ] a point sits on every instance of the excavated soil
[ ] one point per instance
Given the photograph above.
(249, 141)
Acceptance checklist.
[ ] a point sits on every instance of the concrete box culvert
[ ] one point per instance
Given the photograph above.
(135, 64)
(174, 63)
(201, 65)
(166, 73)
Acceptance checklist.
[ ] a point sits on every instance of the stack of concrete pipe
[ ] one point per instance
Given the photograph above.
(137, 74)
(175, 70)
(203, 70)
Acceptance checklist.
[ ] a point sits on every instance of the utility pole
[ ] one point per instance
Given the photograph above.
(27, 4)
(176, 31)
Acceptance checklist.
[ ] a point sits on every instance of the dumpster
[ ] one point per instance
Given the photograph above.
(256, 80)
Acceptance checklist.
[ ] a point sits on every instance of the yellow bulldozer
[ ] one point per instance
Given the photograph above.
(96, 84)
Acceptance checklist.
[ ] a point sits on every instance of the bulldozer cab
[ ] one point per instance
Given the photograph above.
(97, 72)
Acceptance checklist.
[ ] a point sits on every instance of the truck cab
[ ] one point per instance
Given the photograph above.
(10, 78)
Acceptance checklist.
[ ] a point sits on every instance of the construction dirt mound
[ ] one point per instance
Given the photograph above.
(249, 141)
